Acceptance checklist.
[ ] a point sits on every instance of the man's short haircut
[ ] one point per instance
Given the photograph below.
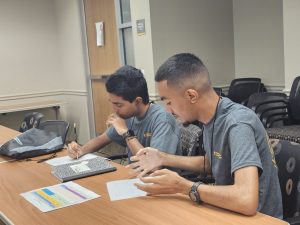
(128, 83)
(184, 70)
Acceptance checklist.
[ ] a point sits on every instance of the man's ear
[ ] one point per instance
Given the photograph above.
(138, 100)
(192, 95)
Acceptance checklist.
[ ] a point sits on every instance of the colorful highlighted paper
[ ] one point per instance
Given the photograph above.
(59, 196)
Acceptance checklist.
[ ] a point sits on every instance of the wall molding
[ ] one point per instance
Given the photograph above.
(42, 94)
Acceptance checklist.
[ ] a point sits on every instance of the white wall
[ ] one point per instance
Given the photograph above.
(202, 27)
(42, 58)
(29, 47)
(291, 21)
(258, 40)
(140, 9)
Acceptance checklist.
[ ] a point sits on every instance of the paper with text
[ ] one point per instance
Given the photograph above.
(58, 196)
(124, 189)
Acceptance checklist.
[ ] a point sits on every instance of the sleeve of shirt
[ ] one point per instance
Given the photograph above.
(243, 148)
(114, 136)
(166, 137)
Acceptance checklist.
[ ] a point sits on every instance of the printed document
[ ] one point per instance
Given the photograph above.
(58, 196)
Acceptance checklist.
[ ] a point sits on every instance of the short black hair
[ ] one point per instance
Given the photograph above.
(128, 83)
(180, 67)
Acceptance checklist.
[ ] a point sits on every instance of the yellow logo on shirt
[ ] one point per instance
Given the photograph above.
(147, 134)
(218, 155)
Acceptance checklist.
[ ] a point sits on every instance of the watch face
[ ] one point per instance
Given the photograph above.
(193, 196)
(130, 133)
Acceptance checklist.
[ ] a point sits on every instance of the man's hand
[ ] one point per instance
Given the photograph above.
(146, 160)
(74, 150)
(164, 182)
(118, 123)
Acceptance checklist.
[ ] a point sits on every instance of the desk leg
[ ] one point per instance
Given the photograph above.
(56, 108)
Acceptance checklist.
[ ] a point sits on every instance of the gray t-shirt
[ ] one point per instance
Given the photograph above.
(158, 129)
(240, 140)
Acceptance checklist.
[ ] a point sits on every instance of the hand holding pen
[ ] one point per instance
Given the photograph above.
(74, 150)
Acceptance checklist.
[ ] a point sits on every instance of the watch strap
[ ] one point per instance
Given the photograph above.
(194, 189)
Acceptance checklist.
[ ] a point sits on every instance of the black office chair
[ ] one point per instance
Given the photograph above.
(290, 106)
(268, 103)
(219, 91)
(287, 156)
(31, 120)
(192, 145)
(240, 89)
(60, 127)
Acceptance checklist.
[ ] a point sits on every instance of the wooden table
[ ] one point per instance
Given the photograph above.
(18, 177)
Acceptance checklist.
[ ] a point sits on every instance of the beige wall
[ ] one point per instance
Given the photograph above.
(140, 9)
(291, 21)
(42, 58)
(258, 40)
(202, 27)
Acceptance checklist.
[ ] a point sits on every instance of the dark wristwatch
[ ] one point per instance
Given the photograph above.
(129, 133)
(194, 194)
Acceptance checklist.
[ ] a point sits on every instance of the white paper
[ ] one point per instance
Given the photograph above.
(58, 196)
(124, 189)
(81, 167)
(68, 159)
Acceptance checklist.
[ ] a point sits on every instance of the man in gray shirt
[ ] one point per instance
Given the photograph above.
(238, 154)
(136, 122)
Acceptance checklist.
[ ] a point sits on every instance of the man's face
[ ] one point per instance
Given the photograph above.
(175, 102)
(121, 107)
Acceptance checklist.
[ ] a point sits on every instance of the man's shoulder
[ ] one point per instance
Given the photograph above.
(158, 114)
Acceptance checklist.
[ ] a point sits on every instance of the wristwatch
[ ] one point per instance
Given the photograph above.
(194, 194)
(129, 133)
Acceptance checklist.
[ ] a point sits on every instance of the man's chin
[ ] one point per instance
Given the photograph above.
(124, 117)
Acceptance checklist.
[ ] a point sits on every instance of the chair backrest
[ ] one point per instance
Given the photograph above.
(267, 103)
(31, 120)
(294, 99)
(58, 126)
(241, 88)
(287, 155)
(219, 91)
(191, 140)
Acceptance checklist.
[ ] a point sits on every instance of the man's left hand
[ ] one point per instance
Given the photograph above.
(164, 182)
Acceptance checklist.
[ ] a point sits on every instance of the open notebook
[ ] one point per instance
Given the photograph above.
(85, 168)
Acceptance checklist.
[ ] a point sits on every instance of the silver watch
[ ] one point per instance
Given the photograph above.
(194, 194)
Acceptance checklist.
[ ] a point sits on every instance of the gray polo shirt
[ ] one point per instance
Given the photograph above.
(240, 140)
(158, 129)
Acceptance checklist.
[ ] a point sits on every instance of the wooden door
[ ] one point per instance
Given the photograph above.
(103, 60)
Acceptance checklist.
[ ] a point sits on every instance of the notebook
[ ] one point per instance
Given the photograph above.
(85, 168)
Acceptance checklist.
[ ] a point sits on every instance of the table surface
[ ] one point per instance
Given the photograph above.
(21, 176)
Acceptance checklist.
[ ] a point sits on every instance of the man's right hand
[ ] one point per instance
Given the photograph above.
(146, 160)
(74, 150)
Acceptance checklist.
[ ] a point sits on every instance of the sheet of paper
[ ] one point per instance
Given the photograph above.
(58, 196)
(124, 189)
(67, 159)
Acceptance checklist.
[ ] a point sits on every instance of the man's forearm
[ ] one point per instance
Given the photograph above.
(134, 145)
(191, 163)
(95, 144)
